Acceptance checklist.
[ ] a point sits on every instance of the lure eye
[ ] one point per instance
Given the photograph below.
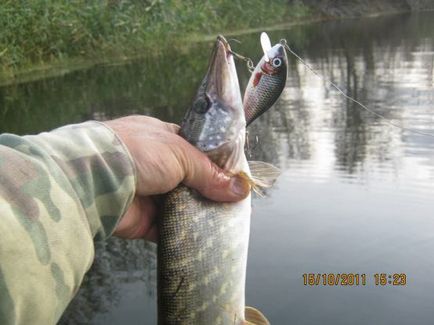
(277, 62)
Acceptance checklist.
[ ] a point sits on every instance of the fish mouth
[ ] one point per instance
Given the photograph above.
(222, 81)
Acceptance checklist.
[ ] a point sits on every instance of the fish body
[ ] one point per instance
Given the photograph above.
(267, 80)
(202, 251)
(203, 267)
(202, 248)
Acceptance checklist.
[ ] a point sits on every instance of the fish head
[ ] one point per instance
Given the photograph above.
(275, 62)
(215, 123)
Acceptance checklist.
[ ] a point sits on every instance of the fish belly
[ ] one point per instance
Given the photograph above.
(202, 256)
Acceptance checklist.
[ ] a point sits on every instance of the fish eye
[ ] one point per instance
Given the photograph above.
(202, 104)
(277, 62)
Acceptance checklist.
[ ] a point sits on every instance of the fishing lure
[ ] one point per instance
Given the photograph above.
(267, 81)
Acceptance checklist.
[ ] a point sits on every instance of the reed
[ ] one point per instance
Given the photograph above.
(42, 32)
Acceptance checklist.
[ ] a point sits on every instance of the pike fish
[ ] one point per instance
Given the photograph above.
(267, 80)
(202, 248)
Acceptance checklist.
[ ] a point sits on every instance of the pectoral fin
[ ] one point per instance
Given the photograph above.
(254, 317)
(262, 175)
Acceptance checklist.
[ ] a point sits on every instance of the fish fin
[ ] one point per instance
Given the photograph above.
(254, 317)
(263, 174)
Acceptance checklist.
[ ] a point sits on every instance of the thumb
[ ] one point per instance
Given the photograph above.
(211, 181)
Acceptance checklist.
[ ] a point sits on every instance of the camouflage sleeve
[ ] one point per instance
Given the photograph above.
(58, 190)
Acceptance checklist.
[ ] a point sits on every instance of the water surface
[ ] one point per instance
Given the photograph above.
(355, 194)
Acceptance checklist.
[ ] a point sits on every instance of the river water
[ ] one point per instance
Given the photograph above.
(356, 195)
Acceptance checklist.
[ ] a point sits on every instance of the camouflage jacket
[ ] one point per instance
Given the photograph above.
(58, 190)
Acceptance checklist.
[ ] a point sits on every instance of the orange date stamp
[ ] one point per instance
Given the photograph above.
(354, 279)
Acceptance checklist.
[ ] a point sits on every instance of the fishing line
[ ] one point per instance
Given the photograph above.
(229, 40)
(249, 61)
(385, 119)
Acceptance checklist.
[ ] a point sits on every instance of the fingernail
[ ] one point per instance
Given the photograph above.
(240, 186)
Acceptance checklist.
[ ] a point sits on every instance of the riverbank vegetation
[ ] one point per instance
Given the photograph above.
(38, 34)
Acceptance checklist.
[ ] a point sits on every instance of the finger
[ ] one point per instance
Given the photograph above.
(152, 233)
(138, 220)
(135, 124)
(173, 128)
(210, 180)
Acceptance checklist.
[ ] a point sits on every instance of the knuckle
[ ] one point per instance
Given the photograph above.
(171, 127)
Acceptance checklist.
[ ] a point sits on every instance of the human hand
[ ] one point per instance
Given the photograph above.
(163, 160)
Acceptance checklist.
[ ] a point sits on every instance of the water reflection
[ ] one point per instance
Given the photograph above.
(354, 195)
(394, 79)
(119, 266)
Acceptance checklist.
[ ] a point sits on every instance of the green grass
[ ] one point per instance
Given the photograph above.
(42, 33)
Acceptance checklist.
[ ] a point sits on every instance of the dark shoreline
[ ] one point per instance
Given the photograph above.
(314, 11)
(363, 8)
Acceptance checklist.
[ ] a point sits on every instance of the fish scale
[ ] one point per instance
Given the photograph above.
(216, 270)
(270, 88)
